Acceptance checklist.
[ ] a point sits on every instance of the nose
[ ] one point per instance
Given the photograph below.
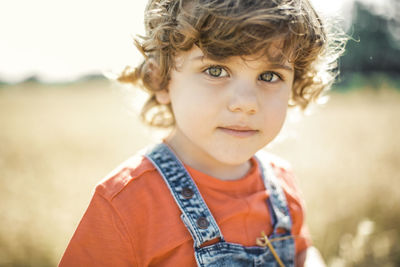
(243, 99)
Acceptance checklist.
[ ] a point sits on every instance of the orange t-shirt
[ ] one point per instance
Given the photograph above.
(133, 220)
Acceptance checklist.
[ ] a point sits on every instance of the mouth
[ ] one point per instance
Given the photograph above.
(238, 131)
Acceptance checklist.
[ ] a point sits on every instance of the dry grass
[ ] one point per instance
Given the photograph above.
(347, 158)
(56, 142)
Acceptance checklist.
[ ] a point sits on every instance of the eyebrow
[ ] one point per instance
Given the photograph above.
(279, 66)
(199, 58)
(268, 65)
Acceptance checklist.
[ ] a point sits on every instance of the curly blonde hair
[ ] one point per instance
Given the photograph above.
(224, 28)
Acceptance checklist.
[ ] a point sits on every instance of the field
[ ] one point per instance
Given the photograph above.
(58, 141)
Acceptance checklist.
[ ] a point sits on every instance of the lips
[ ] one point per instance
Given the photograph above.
(238, 131)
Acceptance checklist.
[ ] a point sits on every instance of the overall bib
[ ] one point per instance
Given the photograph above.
(202, 226)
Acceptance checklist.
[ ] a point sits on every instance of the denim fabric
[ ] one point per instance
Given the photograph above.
(202, 226)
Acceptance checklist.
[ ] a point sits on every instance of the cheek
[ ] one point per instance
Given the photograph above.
(191, 107)
(274, 110)
(190, 96)
(285, 93)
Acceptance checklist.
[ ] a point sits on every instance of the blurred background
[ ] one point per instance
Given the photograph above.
(63, 127)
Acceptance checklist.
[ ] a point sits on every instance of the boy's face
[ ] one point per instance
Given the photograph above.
(226, 111)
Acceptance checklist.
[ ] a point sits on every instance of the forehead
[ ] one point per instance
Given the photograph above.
(274, 56)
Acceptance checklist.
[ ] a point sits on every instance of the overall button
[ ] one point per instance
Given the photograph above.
(187, 193)
(202, 223)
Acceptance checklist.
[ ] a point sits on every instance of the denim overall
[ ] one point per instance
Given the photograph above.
(202, 226)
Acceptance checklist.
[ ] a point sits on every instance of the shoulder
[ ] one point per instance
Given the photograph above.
(294, 197)
(283, 171)
(125, 175)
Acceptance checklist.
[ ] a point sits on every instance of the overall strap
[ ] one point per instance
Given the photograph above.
(195, 213)
(277, 197)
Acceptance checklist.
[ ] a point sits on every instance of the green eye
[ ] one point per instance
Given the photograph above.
(216, 72)
(269, 77)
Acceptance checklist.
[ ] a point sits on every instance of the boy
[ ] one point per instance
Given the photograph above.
(222, 74)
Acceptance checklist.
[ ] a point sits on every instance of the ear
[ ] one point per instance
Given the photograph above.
(162, 97)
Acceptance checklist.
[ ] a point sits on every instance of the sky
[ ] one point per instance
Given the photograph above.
(60, 40)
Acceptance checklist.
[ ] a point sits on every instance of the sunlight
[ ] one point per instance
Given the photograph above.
(59, 40)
